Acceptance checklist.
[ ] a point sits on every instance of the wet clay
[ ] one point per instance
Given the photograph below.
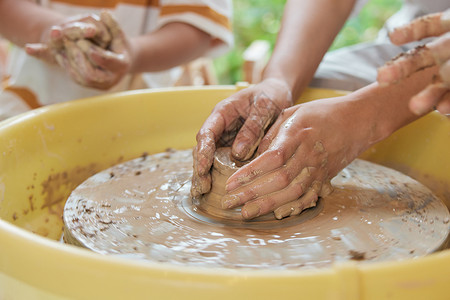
(223, 167)
(142, 209)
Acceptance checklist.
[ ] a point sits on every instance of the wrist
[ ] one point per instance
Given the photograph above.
(280, 85)
(294, 80)
(40, 28)
(278, 79)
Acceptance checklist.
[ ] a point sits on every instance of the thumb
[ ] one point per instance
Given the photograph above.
(40, 51)
(119, 43)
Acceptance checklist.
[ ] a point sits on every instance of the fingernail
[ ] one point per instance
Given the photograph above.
(251, 210)
(284, 211)
(55, 32)
(230, 201)
(419, 111)
(416, 107)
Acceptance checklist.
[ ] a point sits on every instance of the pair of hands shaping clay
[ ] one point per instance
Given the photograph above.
(216, 203)
(92, 49)
(281, 179)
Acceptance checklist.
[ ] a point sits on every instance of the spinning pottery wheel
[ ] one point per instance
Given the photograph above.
(45, 154)
(142, 209)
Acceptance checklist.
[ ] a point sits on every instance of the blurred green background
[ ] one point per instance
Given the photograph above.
(255, 21)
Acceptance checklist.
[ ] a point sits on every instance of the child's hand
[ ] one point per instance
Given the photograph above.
(92, 49)
(437, 52)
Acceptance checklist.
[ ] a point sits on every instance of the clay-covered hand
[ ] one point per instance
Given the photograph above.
(437, 52)
(303, 150)
(240, 121)
(92, 49)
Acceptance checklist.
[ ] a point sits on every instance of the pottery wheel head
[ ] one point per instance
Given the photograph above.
(142, 209)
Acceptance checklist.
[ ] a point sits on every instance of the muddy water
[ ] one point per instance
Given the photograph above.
(142, 209)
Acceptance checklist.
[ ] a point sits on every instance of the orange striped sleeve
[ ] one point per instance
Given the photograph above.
(24, 93)
(204, 11)
(108, 3)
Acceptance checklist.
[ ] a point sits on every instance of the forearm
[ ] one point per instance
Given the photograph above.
(385, 108)
(172, 45)
(307, 31)
(23, 21)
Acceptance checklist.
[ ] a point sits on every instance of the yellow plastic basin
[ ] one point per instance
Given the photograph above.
(46, 153)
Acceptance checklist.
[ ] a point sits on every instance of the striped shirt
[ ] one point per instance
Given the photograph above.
(33, 83)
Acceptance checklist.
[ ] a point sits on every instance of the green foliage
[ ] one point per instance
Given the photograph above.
(365, 26)
(254, 21)
(251, 21)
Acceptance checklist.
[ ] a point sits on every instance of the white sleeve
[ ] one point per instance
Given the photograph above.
(211, 16)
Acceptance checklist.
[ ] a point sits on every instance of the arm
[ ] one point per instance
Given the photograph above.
(307, 31)
(160, 50)
(303, 39)
(23, 21)
(310, 143)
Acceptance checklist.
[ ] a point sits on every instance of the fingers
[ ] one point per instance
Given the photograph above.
(203, 157)
(104, 59)
(444, 104)
(426, 26)
(83, 47)
(326, 189)
(40, 51)
(440, 48)
(282, 148)
(63, 61)
(223, 116)
(200, 185)
(274, 130)
(242, 119)
(119, 43)
(111, 23)
(223, 123)
(206, 142)
(78, 30)
(426, 100)
(290, 208)
(270, 202)
(90, 27)
(262, 114)
(295, 207)
(434, 53)
(405, 64)
(223, 119)
(272, 182)
(90, 75)
(75, 62)
(103, 37)
(282, 184)
(203, 154)
(262, 165)
(87, 27)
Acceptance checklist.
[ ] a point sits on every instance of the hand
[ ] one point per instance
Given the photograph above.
(240, 120)
(303, 150)
(437, 52)
(93, 50)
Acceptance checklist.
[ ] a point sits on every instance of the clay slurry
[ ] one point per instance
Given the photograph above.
(145, 211)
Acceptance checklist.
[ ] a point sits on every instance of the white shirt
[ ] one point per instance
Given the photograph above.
(33, 83)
